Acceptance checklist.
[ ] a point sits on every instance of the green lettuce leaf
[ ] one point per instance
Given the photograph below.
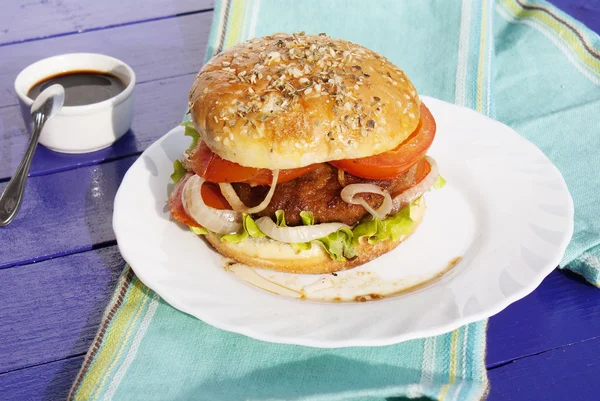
(399, 224)
(439, 182)
(190, 131)
(339, 244)
(301, 246)
(368, 228)
(251, 228)
(199, 230)
(236, 237)
(393, 227)
(178, 171)
(280, 216)
(307, 218)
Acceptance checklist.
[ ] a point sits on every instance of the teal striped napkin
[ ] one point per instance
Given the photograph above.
(494, 57)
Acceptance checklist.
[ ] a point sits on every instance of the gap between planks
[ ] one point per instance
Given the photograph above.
(75, 167)
(94, 247)
(498, 365)
(35, 365)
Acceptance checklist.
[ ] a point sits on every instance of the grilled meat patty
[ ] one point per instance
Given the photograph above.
(319, 192)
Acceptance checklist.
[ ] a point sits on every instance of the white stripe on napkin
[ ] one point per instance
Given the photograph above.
(463, 52)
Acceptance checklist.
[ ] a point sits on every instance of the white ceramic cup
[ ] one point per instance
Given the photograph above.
(80, 129)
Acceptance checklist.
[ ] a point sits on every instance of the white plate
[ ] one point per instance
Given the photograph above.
(506, 211)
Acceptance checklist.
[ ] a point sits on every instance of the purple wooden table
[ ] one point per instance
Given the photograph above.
(59, 261)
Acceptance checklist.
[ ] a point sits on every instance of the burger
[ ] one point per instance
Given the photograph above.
(308, 155)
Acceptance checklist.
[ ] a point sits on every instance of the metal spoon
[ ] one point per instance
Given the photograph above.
(46, 106)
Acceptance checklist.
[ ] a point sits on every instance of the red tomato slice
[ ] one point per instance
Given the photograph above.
(389, 165)
(211, 194)
(213, 168)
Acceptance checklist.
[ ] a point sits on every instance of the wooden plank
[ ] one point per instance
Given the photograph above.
(563, 310)
(568, 373)
(51, 310)
(155, 50)
(48, 382)
(586, 11)
(63, 213)
(159, 106)
(49, 18)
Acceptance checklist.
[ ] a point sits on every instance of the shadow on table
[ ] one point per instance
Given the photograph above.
(576, 277)
(314, 377)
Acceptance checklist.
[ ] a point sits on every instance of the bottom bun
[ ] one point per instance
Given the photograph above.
(279, 256)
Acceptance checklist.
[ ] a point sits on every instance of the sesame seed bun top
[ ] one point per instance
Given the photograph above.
(287, 101)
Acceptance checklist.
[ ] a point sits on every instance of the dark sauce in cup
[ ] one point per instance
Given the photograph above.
(82, 87)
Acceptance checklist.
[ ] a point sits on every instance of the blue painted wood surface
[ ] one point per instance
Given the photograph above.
(63, 213)
(51, 310)
(568, 373)
(564, 309)
(545, 346)
(48, 382)
(586, 11)
(43, 18)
